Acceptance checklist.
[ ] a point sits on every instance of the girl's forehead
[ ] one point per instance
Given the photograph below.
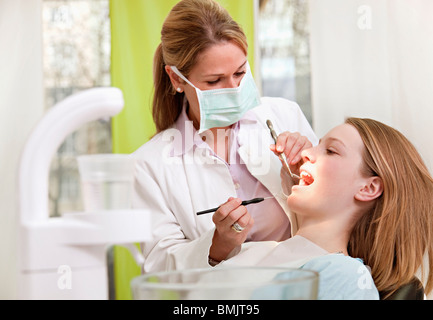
(345, 133)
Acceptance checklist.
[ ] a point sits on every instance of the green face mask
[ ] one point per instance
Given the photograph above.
(223, 107)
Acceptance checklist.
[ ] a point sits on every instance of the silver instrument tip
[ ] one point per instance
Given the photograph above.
(269, 124)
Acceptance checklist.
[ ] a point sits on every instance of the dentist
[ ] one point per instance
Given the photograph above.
(212, 144)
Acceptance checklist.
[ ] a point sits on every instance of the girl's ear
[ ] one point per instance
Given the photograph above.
(371, 190)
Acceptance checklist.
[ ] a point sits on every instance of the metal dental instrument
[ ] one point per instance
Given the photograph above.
(244, 203)
(282, 155)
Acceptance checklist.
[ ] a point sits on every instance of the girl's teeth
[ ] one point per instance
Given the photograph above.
(307, 178)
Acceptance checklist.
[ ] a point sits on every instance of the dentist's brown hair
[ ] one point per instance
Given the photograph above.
(394, 236)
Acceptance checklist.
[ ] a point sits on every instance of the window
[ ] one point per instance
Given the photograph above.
(283, 37)
(77, 41)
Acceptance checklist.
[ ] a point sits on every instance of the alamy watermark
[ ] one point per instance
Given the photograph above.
(365, 281)
(64, 282)
(365, 17)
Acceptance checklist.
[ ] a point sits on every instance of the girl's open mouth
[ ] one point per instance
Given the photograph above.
(306, 179)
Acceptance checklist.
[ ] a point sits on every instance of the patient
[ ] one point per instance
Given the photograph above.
(365, 197)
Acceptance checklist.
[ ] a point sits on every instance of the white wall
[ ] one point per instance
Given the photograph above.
(374, 58)
(21, 106)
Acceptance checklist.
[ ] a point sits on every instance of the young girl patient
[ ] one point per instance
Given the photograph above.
(365, 198)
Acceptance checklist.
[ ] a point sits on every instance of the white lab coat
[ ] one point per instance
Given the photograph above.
(174, 188)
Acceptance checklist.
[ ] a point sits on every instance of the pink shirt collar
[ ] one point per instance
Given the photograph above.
(189, 137)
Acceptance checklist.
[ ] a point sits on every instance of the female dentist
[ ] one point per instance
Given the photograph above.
(212, 144)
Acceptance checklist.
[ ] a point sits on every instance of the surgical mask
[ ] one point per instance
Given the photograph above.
(223, 107)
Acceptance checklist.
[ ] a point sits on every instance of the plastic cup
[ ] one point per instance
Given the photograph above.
(234, 283)
(106, 181)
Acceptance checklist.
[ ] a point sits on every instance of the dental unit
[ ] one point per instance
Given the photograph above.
(65, 257)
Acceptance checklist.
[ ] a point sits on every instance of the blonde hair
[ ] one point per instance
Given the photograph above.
(394, 236)
(191, 27)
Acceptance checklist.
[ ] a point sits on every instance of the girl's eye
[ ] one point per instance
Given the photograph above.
(330, 151)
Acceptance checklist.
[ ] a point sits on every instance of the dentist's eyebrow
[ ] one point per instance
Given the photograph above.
(222, 74)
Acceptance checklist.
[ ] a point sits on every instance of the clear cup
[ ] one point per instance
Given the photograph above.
(228, 283)
(106, 181)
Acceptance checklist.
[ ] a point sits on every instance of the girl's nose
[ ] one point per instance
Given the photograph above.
(308, 155)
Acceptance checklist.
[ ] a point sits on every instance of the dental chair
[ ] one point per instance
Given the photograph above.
(410, 291)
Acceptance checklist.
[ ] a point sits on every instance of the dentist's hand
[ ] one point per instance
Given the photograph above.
(292, 144)
(225, 238)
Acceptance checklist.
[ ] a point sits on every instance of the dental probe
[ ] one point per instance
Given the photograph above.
(282, 155)
(244, 203)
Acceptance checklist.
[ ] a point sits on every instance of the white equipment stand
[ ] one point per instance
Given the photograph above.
(65, 257)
